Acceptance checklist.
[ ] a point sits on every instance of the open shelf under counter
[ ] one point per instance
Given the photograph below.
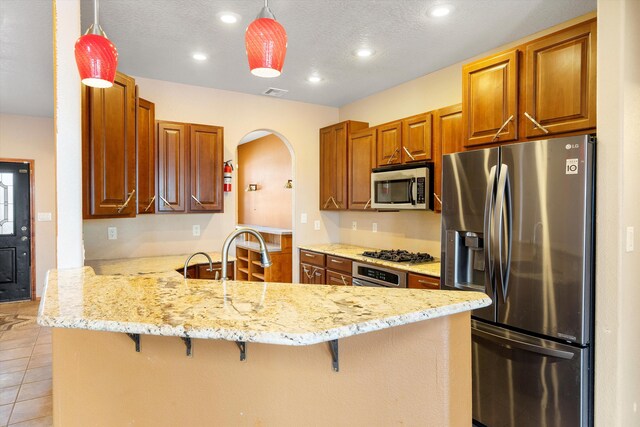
(248, 264)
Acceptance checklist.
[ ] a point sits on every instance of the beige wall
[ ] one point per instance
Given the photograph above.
(618, 206)
(411, 230)
(412, 375)
(265, 162)
(297, 123)
(25, 137)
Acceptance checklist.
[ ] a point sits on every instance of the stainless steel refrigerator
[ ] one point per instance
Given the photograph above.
(517, 224)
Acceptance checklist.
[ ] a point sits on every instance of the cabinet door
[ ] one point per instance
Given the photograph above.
(109, 149)
(333, 167)
(146, 143)
(560, 84)
(416, 138)
(339, 279)
(362, 158)
(311, 274)
(448, 138)
(171, 166)
(418, 281)
(205, 169)
(390, 144)
(216, 273)
(490, 99)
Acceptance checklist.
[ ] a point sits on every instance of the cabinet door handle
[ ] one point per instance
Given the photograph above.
(310, 255)
(343, 281)
(408, 153)
(167, 203)
(197, 201)
(331, 199)
(318, 273)
(438, 198)
(393, 155)
(535, 122)
(426, 282)
(150, 203)
(336, 261)
(367, 204)
(121, 208)
(497, 135)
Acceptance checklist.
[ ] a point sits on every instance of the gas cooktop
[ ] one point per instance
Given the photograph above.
(399, 255)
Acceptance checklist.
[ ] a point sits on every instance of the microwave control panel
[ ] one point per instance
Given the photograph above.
(420, 199)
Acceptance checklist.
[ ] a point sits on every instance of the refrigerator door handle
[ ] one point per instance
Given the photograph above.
(503, 200)
(506, 342)
(488, 240)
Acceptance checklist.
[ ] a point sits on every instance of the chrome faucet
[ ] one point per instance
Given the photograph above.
(186, 263)
(265, 259)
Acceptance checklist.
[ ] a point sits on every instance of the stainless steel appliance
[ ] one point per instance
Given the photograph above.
(402, 187)
(517, 224)
(373, 275)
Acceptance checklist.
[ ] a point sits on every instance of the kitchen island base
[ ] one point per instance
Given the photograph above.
(417, 374)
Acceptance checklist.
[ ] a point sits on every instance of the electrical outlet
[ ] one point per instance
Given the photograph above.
(303, 218)
(374, 227)
(354, 225)
(44, 216)
(316, 224)
(112, 233)
(196, 230)
(630, 238)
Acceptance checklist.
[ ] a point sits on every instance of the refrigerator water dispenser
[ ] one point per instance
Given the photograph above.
(465, 260)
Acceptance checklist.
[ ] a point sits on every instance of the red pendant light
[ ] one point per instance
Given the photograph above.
(96, 56)
(266, 43)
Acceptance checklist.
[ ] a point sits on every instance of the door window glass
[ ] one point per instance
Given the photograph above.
(6, 204)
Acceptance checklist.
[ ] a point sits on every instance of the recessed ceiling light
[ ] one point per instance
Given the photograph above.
(364, 52)
(199, 56)
(314, 79)
(440, 10)
(228, 17)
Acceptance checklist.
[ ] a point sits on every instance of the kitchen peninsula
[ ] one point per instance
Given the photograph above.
(410, 349)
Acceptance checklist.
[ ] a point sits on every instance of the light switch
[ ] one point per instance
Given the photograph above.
(374, 227)
(196, 230)
(44, 216)
(354, 225)
(630, 238)
(316, 225)
(303, 218)
(112, 233)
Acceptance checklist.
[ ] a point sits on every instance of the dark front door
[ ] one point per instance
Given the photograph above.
(15, 232)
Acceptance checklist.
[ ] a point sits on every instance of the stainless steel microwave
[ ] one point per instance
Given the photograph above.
(407, 186)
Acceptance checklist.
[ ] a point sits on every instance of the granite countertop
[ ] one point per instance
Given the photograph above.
(149, 265)
(355, 253)
(274, 313)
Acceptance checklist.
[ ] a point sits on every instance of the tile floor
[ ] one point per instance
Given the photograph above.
(25, 367)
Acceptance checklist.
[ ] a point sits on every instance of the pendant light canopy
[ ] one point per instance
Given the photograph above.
(266, 43)
(96, 56)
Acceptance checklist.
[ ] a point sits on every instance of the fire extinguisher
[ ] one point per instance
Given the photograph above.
(228, 168)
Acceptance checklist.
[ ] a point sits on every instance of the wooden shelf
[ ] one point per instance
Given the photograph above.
(248, 259)
(258, 276)
(244, 270)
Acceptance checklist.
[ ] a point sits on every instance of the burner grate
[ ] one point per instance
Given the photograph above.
(399, 255)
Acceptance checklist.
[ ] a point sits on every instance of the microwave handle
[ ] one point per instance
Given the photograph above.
(412, 186)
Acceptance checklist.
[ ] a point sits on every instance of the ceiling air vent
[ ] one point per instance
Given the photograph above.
(272, 91)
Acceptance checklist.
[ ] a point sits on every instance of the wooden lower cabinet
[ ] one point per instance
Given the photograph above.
(201, 271)
(312, 274)
(336, 278)
(419, 281)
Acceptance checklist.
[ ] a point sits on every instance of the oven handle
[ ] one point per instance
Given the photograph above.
(363, 283)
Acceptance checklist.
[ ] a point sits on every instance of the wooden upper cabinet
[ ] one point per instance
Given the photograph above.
(333, 164)
(206, 145)
(146, 156)
(171, 166)
(490, 99)
(389, 144)
(109, 149)
(416, 138)
(560, 84)
(362, 158)
(448, 138)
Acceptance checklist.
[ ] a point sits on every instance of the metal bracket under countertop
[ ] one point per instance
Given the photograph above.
(335, 360)
(136, 339)
(243, 350)
(187, 343)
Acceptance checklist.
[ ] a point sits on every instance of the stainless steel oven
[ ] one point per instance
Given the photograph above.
(373, 275)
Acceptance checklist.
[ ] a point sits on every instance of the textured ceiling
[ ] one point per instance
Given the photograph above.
(156, 38)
